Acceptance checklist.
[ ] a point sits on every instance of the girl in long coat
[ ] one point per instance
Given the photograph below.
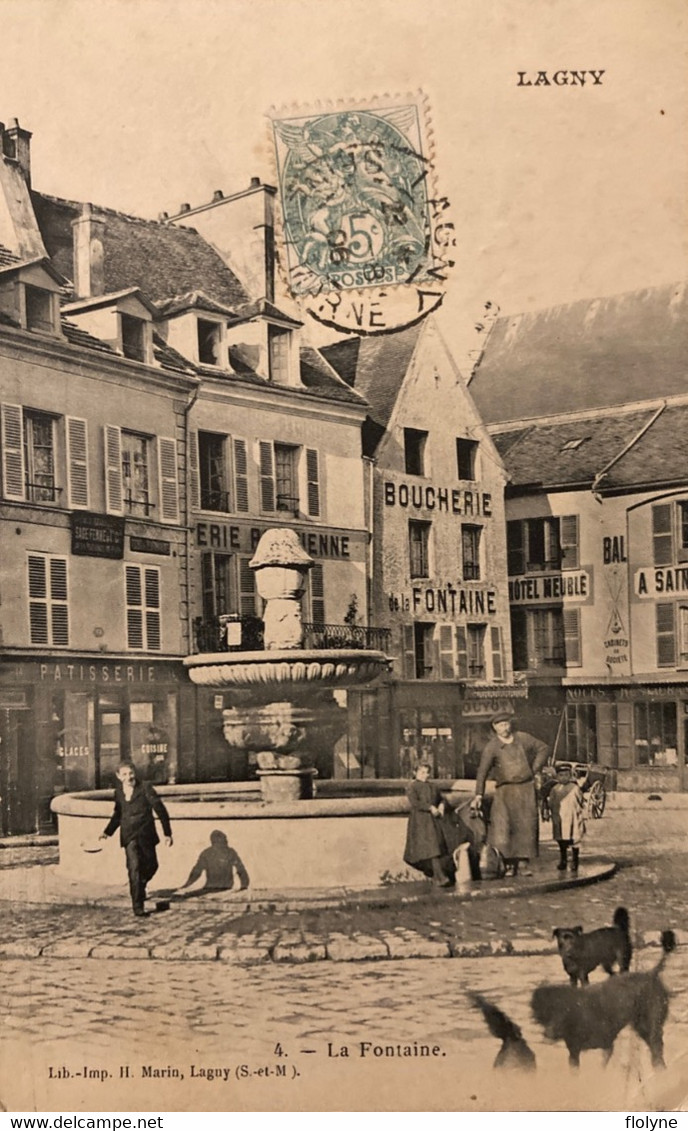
(424, 838)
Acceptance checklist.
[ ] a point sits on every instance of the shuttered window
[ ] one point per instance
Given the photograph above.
(662, 539)
(48, 600)
(314, 598)
(470, 549)
(572, 637)
(461, 652)
(446, 651)
(475, 637)
(313, 482)
(194, 473)
(77, 462)
(497, 653)
(167, 471)
(247, 588)
(13, 476)
(241, 475)
(266, 463)
(568, 540)
(666, 633)
(142, 585)
(114, 497)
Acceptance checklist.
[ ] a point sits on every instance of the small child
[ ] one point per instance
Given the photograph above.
(567, 805)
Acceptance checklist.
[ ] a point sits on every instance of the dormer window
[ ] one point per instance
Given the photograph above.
(39, 309)
(133, 337)
(278, 348)
(209, 342)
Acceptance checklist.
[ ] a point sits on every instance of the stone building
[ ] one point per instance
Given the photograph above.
(587, 404)
(438, 574)
(158, 413)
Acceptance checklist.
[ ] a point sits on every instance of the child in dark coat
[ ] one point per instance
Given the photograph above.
(425, 845)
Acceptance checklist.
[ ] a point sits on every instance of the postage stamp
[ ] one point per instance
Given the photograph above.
(366, 240)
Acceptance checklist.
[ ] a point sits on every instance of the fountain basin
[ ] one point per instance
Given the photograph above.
(299, 669)
(330, 841)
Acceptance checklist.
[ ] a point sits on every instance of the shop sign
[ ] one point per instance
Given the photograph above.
(244, 539)
(427, 497)
(651, 691)
(661, 581)
(96, 673)
(149, 546)
(448, 599)
(588, 695)
(573, 586)
(97, 535)
(12, 700)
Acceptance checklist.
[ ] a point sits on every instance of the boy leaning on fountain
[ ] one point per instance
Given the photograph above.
(135, 804)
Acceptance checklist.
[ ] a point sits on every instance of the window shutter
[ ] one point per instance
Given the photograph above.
(461, 652)
(194, 475)
(12, 451)
(247, 589)
(568, 538)
(114, 503)
(662, 540)
(152, 591)
(241, 475)
(572, 640)
(167, 469)
(666, 633)
(496, 648)
(408, 651)
(516, 558)
(446, 652)
(317, 595)
(267, 476)
(38, 599)
(312, 474)
(58, 598)
(77, 462)
(134, 607)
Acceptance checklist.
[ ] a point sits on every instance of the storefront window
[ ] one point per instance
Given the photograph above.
(581, 732)
(655, 734)
(427, 736)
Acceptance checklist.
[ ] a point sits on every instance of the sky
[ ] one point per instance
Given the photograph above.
(557, 192)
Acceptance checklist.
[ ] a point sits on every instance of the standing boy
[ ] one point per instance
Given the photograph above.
(135, 803)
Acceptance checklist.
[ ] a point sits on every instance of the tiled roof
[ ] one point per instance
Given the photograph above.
(381, 365)
(263, 308)
(641, 447)
(7, 257)
(168, 357)
(162, 259)
(320, 379)
(194, 300)
(600, 352)
(79, 337)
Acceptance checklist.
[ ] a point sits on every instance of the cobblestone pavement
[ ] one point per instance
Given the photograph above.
(125, 1035)
(650, 846)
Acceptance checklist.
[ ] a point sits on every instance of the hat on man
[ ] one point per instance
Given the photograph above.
(501, 717)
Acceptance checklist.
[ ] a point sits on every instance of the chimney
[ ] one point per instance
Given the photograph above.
(16, 144)
(89, 254)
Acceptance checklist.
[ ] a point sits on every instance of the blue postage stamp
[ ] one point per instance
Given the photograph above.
(357, 198)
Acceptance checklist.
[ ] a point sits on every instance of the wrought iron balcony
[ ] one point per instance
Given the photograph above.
(471, 571)
(218, 634)
(213, 499)
(42, 492)
(288, 503)
(345, 636)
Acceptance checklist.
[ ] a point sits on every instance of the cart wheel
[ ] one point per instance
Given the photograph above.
(597, 799)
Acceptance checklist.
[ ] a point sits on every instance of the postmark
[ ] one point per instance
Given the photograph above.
(366, 240)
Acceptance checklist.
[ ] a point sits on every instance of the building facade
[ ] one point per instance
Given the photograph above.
(596, 530)
(438, 578)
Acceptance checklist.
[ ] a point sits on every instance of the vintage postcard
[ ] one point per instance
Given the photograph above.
(344, 555)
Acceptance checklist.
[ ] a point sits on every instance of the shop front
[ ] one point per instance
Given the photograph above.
(66, 724)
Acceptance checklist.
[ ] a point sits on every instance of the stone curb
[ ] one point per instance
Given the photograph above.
(388, 946)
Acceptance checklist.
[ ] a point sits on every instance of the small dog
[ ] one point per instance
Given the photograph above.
(594, 1019)
(581, 953)
(514, 1052)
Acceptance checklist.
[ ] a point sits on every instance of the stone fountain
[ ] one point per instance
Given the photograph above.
(285, 712)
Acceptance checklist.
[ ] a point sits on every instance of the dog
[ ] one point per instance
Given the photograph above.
(606, 947)
(514, 1052)
(594, 1019)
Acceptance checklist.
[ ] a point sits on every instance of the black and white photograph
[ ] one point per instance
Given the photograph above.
(343, 556)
